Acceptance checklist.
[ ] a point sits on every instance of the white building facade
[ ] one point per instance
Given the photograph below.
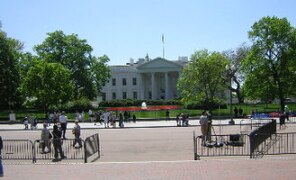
(146, 79)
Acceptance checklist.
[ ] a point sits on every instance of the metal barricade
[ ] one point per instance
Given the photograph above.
(71, 152)
(92, 148)
(17, 149)
(221, 145)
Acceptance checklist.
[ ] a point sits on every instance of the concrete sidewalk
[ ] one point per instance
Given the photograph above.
(230, 168)
(138, 124)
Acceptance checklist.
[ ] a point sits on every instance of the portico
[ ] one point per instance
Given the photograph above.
(159, 79)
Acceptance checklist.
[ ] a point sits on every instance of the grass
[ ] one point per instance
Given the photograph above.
(4, 115)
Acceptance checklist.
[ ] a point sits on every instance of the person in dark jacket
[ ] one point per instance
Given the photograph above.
(57, 143)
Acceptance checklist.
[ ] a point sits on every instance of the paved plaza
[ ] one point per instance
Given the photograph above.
(150, 150)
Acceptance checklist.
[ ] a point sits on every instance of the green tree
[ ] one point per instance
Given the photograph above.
(48, 82)
(100, 71)
(75, 55)
(203, 79)
(236, 57)
(270, 66)
(10, 50)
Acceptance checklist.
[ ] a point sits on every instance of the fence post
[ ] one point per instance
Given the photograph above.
(196, 157)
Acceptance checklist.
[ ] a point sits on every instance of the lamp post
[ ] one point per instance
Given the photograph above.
(230, 94)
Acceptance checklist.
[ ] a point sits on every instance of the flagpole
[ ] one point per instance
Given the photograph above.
(163, 48)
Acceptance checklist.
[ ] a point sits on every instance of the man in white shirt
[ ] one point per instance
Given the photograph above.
(63, 121)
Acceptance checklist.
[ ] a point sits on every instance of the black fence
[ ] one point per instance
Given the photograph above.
(276, 144)
(18, 149)
(262, 141)
(222, 145)
(260, 135)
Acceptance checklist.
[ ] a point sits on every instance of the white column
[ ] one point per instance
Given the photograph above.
(153, 86)
(166, 79)
(142, 86)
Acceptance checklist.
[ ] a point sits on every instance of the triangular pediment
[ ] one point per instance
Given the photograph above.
(159, 64)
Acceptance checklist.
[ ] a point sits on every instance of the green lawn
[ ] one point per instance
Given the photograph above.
(4, 115)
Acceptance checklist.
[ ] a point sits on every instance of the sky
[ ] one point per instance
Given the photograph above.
(124, 29)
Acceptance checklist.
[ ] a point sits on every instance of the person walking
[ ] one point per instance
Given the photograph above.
(1, 166)
(45, 139)
(77, 132)
(63, 121)
(57, 143)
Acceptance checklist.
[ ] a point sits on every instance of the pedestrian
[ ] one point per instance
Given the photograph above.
(45, 140)
(121, 120)
(235, 112)
(240, 112)
(63, 121)
(97, 117)
(167, 114)
(184, 120)
(57, 143)
(209, 131)
(178, 119)
(1, 166)
(134, 118)
(287, 112)
(106, 119)
(203, 121)
(77, 132)
(26, 122)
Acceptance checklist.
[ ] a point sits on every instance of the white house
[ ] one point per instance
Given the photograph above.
(144, 79)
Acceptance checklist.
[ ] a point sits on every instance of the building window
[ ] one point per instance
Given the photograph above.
(113, 82)
(135, 95)
(123, 95)
(124, 81)
(134, 81)
(113, 95)
(104, 96)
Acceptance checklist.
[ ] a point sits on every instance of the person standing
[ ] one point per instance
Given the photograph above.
(106, 119)
(121, 120)
(63, 121)
(1, 166)
(77, 132)
(203, 121)
(57, 143)
(45, 139)
(287, 112)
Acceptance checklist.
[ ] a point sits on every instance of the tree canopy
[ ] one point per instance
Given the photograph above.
(203, 79)
(9, 75)
(75, 54)
(270, 66)
(50, 83)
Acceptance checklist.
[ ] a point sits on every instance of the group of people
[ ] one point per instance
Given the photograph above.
(110, 118)
(57, 135)
(182, 119)
(238, 113)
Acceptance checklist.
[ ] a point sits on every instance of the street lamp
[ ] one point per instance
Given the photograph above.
(228, 68)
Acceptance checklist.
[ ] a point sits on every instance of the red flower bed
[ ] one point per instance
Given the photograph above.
(148, 108)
